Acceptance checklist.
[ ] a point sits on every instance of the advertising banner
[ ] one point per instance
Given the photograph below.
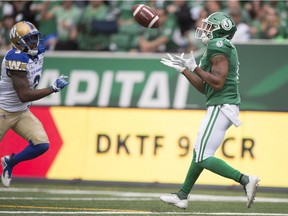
(141, 81)
(149, 145)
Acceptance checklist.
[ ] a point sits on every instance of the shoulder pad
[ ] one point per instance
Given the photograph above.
(16, 60)
(219, 46)
(17, 55)
(220, 43)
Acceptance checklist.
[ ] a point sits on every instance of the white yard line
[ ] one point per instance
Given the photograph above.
(125, 196)
(137, 213)
(195, 197)
(138, 195)
(78, 198)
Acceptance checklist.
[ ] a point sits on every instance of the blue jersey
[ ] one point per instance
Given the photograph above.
(16, 60)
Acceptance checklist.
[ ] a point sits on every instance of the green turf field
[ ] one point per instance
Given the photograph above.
(82, 199)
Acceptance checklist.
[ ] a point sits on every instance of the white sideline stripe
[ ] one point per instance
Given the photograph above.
(193, 197)
(138, 213)
(77, 199)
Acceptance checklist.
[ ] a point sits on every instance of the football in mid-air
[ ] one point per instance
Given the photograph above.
(145, 16)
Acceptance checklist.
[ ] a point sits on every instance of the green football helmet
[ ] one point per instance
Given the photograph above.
(217, 25)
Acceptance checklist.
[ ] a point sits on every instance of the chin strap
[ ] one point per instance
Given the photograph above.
(32, 52)
(205, 40)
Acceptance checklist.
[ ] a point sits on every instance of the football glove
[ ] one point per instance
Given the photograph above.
(60, 83)
(188, 63)
(171, 62)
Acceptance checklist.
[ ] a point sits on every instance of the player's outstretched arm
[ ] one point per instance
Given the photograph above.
(216, 78)
(194, 80)
(26, 94)
(60, 83)
(186, 67)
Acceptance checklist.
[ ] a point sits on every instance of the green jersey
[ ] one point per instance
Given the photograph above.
(229, 94)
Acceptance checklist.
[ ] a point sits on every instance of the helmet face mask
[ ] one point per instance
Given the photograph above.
(25, 37)
(217, 25)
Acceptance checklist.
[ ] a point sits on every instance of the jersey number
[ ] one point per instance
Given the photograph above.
(36, 81)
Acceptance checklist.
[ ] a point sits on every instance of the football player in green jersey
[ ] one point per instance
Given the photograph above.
(217, 78)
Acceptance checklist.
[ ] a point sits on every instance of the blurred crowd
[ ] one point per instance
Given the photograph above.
(109, 25)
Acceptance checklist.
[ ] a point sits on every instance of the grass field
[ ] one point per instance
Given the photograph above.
(82, 199)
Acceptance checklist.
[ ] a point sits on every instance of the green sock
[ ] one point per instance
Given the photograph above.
(182, 195)
(244, 180)
(191, 177)
(219, 167)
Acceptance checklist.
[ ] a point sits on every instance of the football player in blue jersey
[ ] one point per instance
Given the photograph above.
(20, 74)
(217, 77)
